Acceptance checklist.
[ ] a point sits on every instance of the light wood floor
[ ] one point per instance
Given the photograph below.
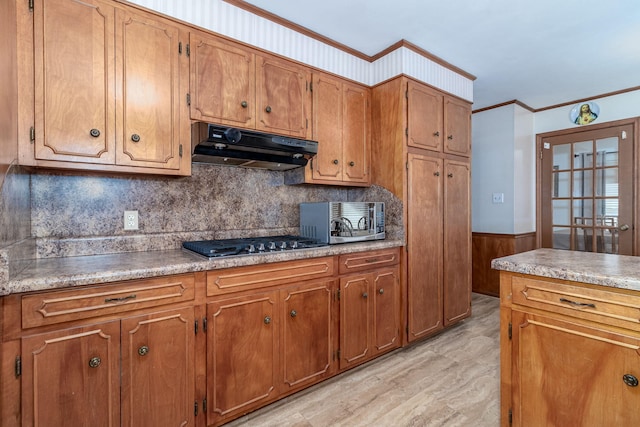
(449, 380)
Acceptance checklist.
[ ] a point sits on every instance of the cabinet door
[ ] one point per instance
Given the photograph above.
(158, 369)
(72, 377)
(327, 127)
(424, 241)
(457, 241)
(307, 333)
(355, 133)
(74, 81)
(355, 318)
(457, 124)
(386, 307)
(424, 117)
(222, 82)
(283, 100)
(565, 374)
(148, 69)
(242, 354)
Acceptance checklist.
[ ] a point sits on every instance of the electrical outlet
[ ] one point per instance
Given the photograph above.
(498, 198)
(130, 220)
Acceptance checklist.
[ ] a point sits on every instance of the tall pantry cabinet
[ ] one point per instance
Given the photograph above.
(421, 143)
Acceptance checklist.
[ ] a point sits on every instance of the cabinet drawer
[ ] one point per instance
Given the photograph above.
(264, 275)
(602, 306)
(63, 306)
(369, 260)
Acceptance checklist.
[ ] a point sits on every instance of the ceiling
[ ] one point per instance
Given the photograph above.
(541, 53)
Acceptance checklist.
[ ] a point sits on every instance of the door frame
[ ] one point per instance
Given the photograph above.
(635, 124)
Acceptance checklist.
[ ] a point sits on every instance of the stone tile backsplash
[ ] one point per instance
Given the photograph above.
(74, 214)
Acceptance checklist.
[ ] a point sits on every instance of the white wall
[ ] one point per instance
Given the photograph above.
(503, 142)
(617, 107)
(492, 170)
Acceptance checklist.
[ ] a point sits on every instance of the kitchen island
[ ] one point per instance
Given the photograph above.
(569, 338)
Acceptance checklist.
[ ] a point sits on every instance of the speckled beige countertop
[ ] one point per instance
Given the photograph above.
(617, 271)
(53, 273)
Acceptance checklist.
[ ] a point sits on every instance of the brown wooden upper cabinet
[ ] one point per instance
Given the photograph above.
(109, 91)
(437, 122)
(341, 125)
(237, 86)
(223, 81)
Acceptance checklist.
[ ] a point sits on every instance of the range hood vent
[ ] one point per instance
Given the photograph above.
(250, 149)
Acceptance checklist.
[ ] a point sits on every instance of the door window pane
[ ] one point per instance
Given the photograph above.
(561, 212)
(583, 183)
(583, 155)
(561, 184)
(607, 182)
(607, 152)
(561, 238)
(583, 212)
(562, 156)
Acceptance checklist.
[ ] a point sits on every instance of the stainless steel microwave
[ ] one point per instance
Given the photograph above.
(342, 222)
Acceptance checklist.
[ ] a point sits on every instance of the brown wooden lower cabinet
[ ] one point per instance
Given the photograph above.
(369, 315)
(194, 349)
(570, 353)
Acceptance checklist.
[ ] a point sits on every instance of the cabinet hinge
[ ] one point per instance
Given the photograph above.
(204, 324)
(406, 165)
(311, 87)
(188, 49)
(406, 93)
(510, 416)
(188, 99)
(540, 154)
(31, 5)
(510, 331)
(338, 294)
(306, 124)
(195, 408)
(406, 131)
(180, 150)
(204, 405)
(32, 134)
(311, 163)
(18, 366)
(195, 327)
(179, 48)
(338, 352)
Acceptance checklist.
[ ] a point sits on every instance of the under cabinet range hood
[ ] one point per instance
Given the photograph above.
(250, 149)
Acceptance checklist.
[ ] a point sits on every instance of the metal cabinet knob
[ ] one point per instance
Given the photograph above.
(267, 320)
(268, 109)
(352, 163)
(630, 380)
(335, 162)
(624, 227)
(135, 137)
(94, 362)
(365, 295)
(143, 351)
(436, 173)
(381, 291)
(450, 137)
(293, 313)
(244, 104)
(436, 133)
(450, 175)
(94, 133)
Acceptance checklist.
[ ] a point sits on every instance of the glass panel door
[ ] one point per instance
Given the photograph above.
(587, 194)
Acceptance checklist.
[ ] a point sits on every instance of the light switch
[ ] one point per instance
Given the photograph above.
(498, 197)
